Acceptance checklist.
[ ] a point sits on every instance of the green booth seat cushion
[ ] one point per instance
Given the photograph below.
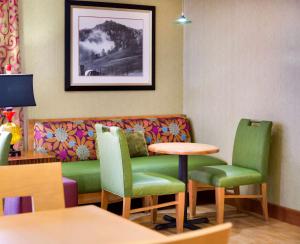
(145, 184)
(226, 176)
(87, 173)
(168, 164)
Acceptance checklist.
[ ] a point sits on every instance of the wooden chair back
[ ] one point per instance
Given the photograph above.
(218, 234)
(43, 182)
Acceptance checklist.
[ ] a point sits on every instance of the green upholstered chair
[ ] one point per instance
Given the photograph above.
(117, 177)
(5, 138)
(249, 166)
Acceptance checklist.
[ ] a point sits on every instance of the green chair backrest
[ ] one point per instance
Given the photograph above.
(252, 145)
(5, 139)
(115, 163)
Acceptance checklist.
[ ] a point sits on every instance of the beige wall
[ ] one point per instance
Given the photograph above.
(242, 59)
(42, 53)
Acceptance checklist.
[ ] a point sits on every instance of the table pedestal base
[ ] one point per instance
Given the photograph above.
(189, 224)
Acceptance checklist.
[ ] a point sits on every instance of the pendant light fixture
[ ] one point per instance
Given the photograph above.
(182, 20)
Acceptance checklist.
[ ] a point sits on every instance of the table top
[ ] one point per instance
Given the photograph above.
(87, 224)
(28, 155)
(183, 148)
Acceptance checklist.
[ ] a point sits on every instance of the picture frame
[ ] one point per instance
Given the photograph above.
(109, 46)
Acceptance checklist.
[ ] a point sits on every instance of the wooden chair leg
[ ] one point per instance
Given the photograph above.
(264, 200)
(104, 199)
(154, 201)
(147, 202)
(237, 201)
(180, 198)
(126, 207)
(192, 187)
(219, 193)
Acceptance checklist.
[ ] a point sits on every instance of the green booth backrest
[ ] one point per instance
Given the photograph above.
(5, 139)
(116, 173)
(74, 139)
(252, 145)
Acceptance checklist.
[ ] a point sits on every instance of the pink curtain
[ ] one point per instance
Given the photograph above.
(10, 46)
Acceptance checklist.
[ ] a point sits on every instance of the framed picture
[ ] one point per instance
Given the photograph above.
(109, 46)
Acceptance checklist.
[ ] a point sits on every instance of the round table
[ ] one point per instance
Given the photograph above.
(183, 149)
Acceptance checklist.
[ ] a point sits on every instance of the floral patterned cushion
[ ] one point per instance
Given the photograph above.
(75, 140)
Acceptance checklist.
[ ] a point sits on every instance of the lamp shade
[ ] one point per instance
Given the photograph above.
(182, 20)
(16, 90)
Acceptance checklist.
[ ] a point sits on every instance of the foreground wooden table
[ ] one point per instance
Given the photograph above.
(183, 149)
(88, 224)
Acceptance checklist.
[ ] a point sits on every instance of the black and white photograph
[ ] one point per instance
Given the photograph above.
(110, 46)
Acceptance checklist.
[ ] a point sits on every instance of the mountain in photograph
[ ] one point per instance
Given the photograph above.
(111, 49)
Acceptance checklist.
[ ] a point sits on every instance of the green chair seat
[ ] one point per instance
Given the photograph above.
(87, 173)
(144, 184)
(226, 176)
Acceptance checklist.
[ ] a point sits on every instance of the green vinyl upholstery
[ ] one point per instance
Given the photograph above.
(249, 161)
(168, 164)
(5, 139)
(252, 146)
(115, 167)
(87, 173)
(226, 176)
(155, 184)
(116, 171)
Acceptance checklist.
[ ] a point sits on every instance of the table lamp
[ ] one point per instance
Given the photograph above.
(15, 91)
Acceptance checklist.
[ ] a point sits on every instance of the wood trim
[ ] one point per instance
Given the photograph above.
(205, 189)
(126, 207)
(162, 205)
(281, 213)
(110, 117)
(95, 197)
(104, 199)
(31, 122)
(219, 195)
(30, 157)
(264, 200)
(30, 133)
(88, 198)
(228, 196)
(180, 198)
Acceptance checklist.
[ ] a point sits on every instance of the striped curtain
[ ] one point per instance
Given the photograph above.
(10, 47)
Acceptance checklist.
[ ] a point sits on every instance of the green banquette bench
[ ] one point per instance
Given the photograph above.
(72, 141)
